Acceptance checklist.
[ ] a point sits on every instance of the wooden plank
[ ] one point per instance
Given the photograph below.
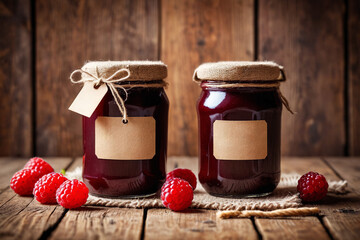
(297, 228)
(347, 168)
(68, 34)
(307, 38)
(332, 203)
(354, 76)
(345, 222)
(302, 165)
(99, 222)
(195, 224)
(291, 228)
(24, 217)
(8, 167)
(341, 213)
(194, 32)
(15, 79)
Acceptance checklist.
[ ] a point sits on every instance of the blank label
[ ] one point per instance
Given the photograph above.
(240, 140)
(118, 141)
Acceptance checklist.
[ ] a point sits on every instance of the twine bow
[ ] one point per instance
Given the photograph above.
(110, 82)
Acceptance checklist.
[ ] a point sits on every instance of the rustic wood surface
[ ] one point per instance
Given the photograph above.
(353, 26)
(20, 215)
(16, 125)
(25, 218)
(312, 32)
(42, 42)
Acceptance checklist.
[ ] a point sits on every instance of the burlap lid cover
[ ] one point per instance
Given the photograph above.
(139, 70)
(241, 71)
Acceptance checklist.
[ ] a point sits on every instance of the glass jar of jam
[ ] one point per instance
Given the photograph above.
(127, 157)
(239, 116)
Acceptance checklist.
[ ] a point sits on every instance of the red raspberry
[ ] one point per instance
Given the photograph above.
(39, 165)
(177, 194)
(45, 188)
(184, 174)
(72, 194)
(312, 187)
(23, 181)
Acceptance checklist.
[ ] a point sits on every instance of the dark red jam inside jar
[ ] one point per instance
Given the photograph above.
(238, 177)
(127, 178)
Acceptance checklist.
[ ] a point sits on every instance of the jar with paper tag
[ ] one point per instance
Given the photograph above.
(125, 120)
(239, 115)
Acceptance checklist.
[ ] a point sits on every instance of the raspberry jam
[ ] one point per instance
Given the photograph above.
(127, 178)
(239, 117)
(243, 177)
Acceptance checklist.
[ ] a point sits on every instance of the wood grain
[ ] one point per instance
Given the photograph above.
(100, 223)
(291, 228)
(68, 34)
(15, 79)
(195, 224)
(194, 32)
(340, 213)
(307, 38)
(348, 168)
(8, 167)
(24, 217)
(354, 76)
(302, 165)
(344, 223)
(332, 202)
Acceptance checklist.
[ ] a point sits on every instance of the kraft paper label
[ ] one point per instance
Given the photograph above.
(240, 140)
(134, 140)
(88, 99)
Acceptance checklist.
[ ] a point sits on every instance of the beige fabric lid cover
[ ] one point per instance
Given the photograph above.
(239, 71)
(139, 70)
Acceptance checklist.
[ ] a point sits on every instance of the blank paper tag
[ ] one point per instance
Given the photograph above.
(240, 140)
(88, 99)
(118, 141)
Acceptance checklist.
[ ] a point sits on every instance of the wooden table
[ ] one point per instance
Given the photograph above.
(25, 218)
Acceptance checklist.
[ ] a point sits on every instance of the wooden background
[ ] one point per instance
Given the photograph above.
(42, 42)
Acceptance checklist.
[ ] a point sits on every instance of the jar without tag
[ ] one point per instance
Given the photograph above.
(239, 116)
(127, 157)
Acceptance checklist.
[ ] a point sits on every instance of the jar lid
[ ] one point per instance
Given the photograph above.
(244, 71)
(139, 70)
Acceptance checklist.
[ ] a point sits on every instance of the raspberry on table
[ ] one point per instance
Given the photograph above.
(39, 165)
(312, 187)
(177, 194)
(184, 174)
(72, 194)
(23, 181)
(45, 188)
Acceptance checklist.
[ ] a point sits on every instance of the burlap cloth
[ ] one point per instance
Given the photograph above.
(284, 196)
(240, 71)
(139, 70)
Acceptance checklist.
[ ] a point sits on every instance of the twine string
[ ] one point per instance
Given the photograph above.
(304, 211)
(110, 82)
